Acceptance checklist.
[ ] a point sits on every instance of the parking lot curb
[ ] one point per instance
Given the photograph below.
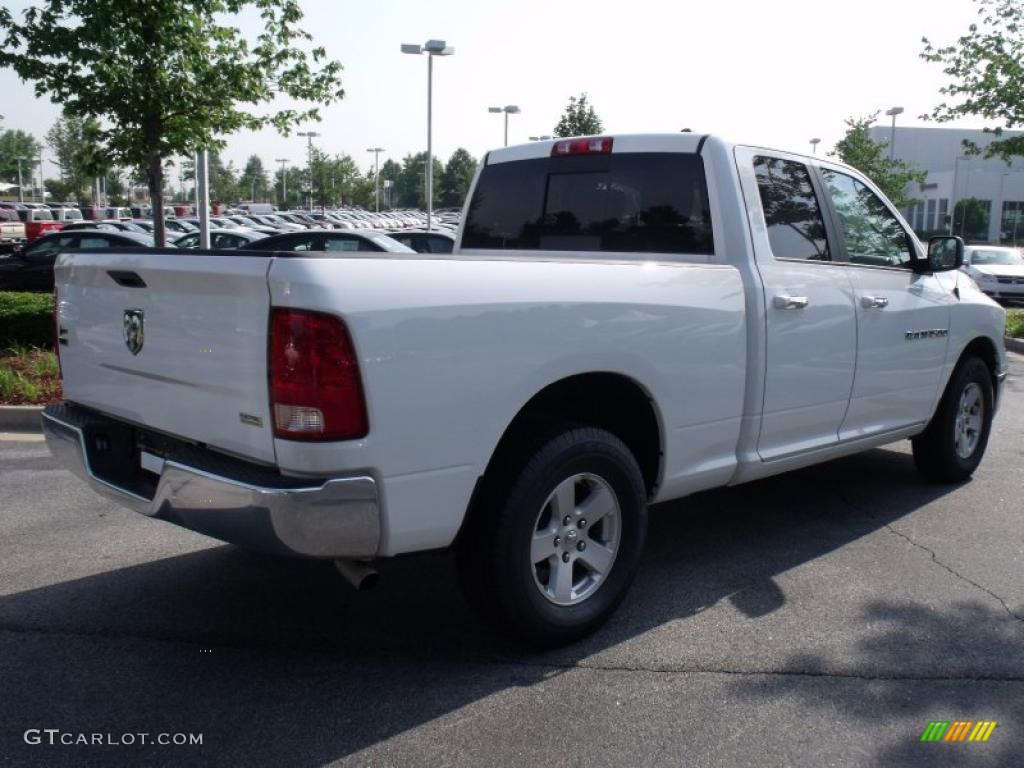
(1014, 345)
(20, 418)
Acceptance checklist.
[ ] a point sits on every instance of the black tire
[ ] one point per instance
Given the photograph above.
(494, 551)
(935, 449)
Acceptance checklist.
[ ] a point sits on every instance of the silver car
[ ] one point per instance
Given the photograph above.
(998, 271)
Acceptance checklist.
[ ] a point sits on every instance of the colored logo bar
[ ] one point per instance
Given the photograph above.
(959, 730)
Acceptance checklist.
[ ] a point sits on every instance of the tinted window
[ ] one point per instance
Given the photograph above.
(96, 241)
(439, 245)
(796, 229)
(344, 244)
(628, 202)
(289, 243)
(871, 233)
(188, 241)
(45, 250)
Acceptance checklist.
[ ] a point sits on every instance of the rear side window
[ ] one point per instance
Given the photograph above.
(796, 229)
(626, 202)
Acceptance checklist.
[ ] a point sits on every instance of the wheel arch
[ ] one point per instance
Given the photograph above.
(611, 401)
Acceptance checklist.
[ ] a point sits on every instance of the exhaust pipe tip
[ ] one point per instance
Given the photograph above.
(361, 576)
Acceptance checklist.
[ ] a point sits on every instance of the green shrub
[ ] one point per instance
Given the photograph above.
(26, 319)
(1015, 324)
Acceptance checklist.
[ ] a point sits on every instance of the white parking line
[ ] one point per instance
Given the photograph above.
(20, 437)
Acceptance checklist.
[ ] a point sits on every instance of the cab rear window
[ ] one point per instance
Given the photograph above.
(625, 202)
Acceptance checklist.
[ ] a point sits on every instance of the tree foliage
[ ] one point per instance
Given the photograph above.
(970, 219)
(986, 69)
(167, 77)
(15, 144)
(871, 158)
(75, 141)
(458, 175)
(253, 183)
(579, 119)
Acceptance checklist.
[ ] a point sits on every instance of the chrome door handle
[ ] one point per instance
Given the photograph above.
(791, 302)
(874, 302)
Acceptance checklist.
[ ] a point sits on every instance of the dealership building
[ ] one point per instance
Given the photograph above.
(953, 176)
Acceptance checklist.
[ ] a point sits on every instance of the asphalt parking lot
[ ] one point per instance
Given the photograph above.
(822, 618)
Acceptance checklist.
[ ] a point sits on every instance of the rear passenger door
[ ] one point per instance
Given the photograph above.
(899, 368)
(810, 323)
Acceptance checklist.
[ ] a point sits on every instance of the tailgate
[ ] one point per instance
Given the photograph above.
(172, 341)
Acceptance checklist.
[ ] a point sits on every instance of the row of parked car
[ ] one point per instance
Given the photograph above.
(30, 266)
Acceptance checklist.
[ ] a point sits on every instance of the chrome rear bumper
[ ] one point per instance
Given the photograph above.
(228, 499)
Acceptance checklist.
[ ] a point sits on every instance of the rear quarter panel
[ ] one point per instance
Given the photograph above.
(451, 349)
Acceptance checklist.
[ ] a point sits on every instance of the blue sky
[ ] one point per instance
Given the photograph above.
(770, 73)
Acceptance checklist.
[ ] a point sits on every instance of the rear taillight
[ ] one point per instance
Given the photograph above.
(598, 146)
(315, 389)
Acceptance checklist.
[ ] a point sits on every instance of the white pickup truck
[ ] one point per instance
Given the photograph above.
(625, 320)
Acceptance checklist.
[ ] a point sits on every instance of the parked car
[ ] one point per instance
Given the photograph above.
(179, 226)
(12, 230)
(37, 221)
(423, 241)
(625, 320)
(224, 239)
(250, 224)
(31, 269)
(122, 214)
(66, 214)
(330, 240)
(998, 271)
(112, 225)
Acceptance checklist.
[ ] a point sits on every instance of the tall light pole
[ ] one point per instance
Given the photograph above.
(284, 179)
(432, 48)
(42, 186)
(511, 109)
(814, 145)
(376, 176)
(892, 133)
(310, 135)
(21, 193)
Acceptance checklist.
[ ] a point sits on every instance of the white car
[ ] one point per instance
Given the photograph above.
(998, 271)
(625, 320)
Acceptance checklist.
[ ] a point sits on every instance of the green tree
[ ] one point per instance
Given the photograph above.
(458, 175)
(411, 187)
(389, 171)
(15, 144)
(579, 119)
(871, 158)
(986, 69)
(970, 219)
(75, 142)
(253, 183)
(168, 77)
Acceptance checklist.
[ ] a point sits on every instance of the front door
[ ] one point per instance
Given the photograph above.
(902, 317)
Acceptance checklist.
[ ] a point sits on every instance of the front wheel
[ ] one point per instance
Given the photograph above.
(952, 446)
(554, 544)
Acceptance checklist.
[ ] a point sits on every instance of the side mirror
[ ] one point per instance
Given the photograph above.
(944, 255)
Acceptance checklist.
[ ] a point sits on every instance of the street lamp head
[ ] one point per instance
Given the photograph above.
(894, 111)
(815, 141)
(494, 109)
(411, 48)
(438, 48)
(512, 109)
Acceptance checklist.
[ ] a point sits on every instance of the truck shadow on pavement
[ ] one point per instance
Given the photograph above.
(279, 662)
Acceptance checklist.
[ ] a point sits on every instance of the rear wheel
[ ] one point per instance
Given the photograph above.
(556, 540)
(952, 446)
